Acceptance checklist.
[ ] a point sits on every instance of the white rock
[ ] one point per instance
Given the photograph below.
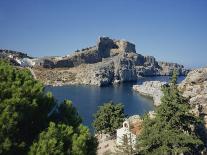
(151, 89)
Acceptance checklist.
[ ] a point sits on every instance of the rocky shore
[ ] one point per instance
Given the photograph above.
(194, 87)
(151, 89)
(108, 62)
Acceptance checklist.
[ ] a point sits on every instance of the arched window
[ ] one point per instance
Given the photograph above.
(125, 125)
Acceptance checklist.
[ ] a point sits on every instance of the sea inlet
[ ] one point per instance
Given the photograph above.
(87, 99)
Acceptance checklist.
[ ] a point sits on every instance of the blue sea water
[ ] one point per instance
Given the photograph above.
(87, 98)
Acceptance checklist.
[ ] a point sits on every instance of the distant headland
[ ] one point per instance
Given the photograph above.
(108, 62)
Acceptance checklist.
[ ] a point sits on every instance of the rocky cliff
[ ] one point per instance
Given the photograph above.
(109, 61)
(194, 87)
(151, 89)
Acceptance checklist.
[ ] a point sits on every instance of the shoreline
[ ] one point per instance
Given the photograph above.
(107, 85)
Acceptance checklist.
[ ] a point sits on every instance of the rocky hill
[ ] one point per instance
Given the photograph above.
(194, 87)
(109, 61)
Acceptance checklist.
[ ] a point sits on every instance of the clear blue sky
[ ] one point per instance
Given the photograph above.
(171, 30)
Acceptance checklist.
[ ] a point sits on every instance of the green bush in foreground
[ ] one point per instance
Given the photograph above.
(174, 128)
(108, 118)
(27, 124)
(62, 139)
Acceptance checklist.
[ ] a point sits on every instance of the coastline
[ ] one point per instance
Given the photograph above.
(60, 83)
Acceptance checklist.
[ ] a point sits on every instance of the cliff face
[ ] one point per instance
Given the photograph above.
(110, 61)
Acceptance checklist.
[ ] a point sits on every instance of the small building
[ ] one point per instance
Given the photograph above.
(26, 62)
(130, 130)
(11, 56)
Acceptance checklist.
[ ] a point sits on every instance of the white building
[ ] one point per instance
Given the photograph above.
(26, 62)
(11, 56)
(125, 135)
(18, 61)
(130, 130)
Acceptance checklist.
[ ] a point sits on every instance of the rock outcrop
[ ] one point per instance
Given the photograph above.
(151, 89)
(105, 48)
(194, 87)
(110, 61)
(167, 68)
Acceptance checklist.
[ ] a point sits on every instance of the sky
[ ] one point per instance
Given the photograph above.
(170, 30)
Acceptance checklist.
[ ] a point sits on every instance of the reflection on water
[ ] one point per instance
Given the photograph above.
(87, 98)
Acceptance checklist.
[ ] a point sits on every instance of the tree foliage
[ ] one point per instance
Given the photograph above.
(66, 113)
(174, 128)
(55, 140)
(109, 117)
(63, 139)
(28, 122)
(23, 109)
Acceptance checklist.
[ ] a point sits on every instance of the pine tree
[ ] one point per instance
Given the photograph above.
(23, 109)
(25, 116)
(108, 118)
(174, 128)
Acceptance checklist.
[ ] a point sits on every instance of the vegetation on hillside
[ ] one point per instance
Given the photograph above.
(29, 123)
(108, 118)
(174, 130)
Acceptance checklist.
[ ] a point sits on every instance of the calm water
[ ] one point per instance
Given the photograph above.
(87, 98)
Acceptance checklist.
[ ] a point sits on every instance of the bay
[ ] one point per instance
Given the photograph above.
(87, 98)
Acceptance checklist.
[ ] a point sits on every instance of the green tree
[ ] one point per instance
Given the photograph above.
(23, 109)
(174, 128)
(61, 139)
(25, 113)
(108, 118)
(55, 140)
(66, 113)
(80, 141)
